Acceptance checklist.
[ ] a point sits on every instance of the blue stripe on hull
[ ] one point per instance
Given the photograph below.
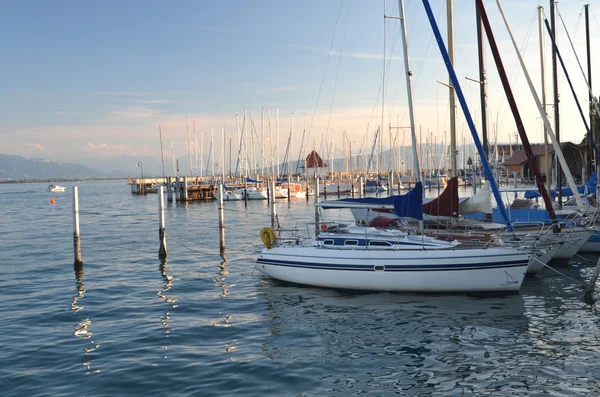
(393, 268)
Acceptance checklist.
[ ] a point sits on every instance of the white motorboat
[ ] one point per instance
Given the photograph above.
(254, 193)
(56, 188)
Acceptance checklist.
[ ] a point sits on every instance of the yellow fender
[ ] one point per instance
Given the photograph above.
(267, 235)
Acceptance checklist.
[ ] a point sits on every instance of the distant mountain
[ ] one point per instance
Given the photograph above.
(14, 167)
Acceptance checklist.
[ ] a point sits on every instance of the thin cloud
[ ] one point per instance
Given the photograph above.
(356, 55)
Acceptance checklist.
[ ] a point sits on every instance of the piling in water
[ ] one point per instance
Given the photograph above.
(273, 205)
(221, 220)
(76, 237)
(162, 235)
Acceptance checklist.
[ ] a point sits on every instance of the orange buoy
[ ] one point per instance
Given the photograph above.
(52, 201)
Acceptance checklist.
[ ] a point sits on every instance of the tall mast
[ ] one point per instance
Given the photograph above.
(223, 153)
(515, 110)
(556, 112)
(409, 89)
(187, 130)
(277, 139)
(482, 86)
(212, 157)
(262, 143)
(450, 14)
(557, 150)
(543, 72)
(593, 161)
(162, 153)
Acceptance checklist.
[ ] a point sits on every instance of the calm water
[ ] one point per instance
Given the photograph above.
(200, 325)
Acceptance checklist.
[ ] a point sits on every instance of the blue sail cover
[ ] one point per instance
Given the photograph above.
(408, 205)
(588, 188)
(250, 180)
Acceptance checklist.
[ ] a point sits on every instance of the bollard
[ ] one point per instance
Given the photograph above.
(162, 235)
(221, 220)
(76, 237)
(273, 206)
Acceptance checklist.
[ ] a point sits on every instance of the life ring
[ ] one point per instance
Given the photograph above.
(267, 235)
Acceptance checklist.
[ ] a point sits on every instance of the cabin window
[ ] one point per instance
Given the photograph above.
(380, 244)
(351, 242)
(327, 242)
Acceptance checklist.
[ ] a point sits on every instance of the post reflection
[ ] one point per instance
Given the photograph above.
(221, 277)
(166, 318)
(83, 328)
(220, 280)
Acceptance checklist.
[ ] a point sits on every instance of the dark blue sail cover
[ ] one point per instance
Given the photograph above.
(408, 205)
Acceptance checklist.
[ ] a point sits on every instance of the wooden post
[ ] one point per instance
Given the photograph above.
(391, 183)
(325, 189)
(76, 237)
(221, 220)
(289, 180)
(317, 189)
(162, 235)
(273, 206)
(360, 187)
(169, 189)
(176, 192)
(184, 192)
(269, 195)
(246, 192)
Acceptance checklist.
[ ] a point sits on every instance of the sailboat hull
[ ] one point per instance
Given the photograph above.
(452, 270)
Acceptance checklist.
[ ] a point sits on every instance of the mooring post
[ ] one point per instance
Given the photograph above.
(391, 183)
(162, 235)
(246, 192)
(269, 196)
(289, 180)
(273, 205)
(325, 189)
(169, 191)
(176, 191)
(360, 187)
(307, 188)
(76, 237)
(185, 190)
(221, 220)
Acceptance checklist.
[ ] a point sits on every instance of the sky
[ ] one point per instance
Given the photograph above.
(95, 80)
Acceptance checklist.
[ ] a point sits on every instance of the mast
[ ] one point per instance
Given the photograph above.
(463, 104)
(482, 88)
(187, 130)
(262, 137)
(515, 110)
(450, 15)
(547, 161)
(556, 112)
(409, 93)
(593, 161)
(564, 68)
(223, 153)
(557, 150)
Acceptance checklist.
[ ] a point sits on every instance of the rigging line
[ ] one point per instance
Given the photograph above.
(338, 69)
(572, 47)
(594, 16)
(577, 25)
(513, 73)
(325, 71)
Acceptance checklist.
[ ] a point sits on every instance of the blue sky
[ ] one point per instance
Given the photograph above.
(89, 80)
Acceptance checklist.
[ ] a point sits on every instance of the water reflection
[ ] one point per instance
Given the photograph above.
(166, 318)
(412, 343)
(83, 328)
(220, 280)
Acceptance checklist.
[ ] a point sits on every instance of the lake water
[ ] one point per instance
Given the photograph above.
(200, 325)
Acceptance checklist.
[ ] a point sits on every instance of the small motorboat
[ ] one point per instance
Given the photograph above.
(56, 188)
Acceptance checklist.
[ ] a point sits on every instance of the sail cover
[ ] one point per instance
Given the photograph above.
(411, 203)
(447, 202)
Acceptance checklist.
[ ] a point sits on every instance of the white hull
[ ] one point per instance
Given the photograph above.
(253, 194)
(545, 255)
(447, 270)
(56, 188)
(574, 241)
